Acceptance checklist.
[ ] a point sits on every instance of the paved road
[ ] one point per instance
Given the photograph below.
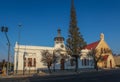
(101, 76)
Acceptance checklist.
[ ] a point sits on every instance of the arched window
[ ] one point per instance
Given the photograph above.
(34, 62)
(29, 62)
(82, 63)
(85, 62)
(88, 62)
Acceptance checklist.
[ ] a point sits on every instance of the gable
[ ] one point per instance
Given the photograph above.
(102, 44)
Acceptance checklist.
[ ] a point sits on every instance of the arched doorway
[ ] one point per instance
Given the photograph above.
(62, 64)
(110, 63)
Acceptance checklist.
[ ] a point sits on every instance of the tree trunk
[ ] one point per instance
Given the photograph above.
(95, 66)
(49, 68)
(76, 66)
(54, 67)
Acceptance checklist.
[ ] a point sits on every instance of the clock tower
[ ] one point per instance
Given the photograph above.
(59, 41)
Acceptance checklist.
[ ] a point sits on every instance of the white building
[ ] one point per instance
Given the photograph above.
(86, 61)
(28, 58)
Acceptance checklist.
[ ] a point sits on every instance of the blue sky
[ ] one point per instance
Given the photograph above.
(40, 20)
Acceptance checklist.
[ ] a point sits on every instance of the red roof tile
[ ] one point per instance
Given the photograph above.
(92, 45)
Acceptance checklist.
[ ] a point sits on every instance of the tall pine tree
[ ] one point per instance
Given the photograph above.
(75, 40)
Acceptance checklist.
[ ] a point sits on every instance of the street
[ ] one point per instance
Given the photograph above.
(100, 76)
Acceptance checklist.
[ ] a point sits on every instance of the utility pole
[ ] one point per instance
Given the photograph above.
(19, 31)
(5, 30)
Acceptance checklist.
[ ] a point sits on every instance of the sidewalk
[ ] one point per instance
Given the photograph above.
(56, 73)
(68, 72)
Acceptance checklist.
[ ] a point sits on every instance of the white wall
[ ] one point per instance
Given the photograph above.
(35, 52)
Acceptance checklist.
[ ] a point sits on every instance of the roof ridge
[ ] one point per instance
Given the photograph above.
(92, 45)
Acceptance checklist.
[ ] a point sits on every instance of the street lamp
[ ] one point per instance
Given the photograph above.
(20, 25)
(5, 30)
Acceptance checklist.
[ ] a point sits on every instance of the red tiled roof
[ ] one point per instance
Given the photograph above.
(92, 45)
